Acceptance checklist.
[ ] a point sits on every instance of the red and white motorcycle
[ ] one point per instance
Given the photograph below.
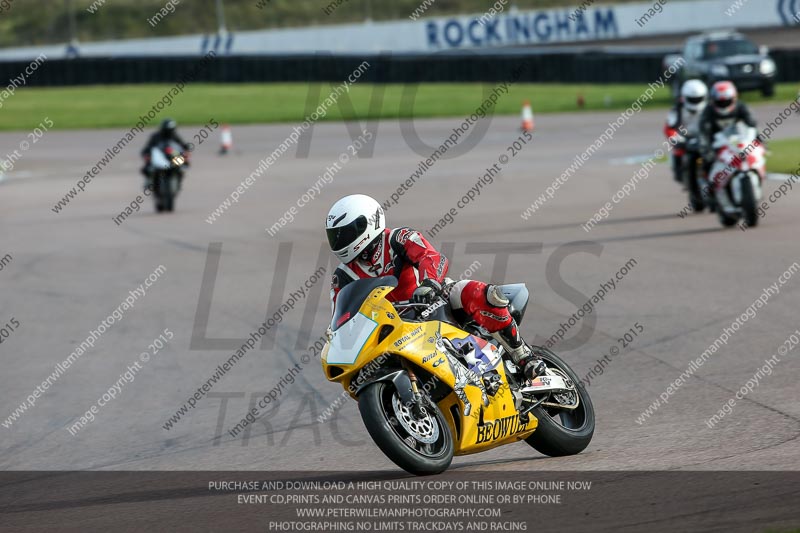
(737, 174)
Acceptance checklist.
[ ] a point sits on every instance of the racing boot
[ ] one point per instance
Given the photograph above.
(510, 340)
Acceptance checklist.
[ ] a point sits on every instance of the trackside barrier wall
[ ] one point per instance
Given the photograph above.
(562, 67)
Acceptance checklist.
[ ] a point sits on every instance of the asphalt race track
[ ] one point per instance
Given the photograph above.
(690, 280)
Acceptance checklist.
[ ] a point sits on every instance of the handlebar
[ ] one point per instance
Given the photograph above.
(409, 303)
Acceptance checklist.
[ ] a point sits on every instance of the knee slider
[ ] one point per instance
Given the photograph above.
(496, 298)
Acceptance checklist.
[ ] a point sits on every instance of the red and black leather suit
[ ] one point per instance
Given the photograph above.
(405, 254)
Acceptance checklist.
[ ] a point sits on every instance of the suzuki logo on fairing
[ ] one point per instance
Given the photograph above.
(500, 428)
(427, 312)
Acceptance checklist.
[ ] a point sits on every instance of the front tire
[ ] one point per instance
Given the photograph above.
(696, 196)
(401, 437)
(169, 196)
(696, 199)
(727, 220)
(573, 432)
(749, 208)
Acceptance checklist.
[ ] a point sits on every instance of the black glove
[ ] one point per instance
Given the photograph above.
(427, 292)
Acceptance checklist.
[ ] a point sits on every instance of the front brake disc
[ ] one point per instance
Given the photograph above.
(425, 429)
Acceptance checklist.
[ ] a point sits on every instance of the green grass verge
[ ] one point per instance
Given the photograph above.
(121, 105)
(784, 156)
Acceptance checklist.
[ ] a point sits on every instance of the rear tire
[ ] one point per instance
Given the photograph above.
(559, 439)
(375, 403)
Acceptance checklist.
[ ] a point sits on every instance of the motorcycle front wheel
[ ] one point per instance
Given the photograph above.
(563, 431)
(420, 446)
(168, 192)
(749, 203)
(695, 189)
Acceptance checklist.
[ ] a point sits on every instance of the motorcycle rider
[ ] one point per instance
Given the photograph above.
(166, 133)
(357, 234)
(683, 121)
(723, 111)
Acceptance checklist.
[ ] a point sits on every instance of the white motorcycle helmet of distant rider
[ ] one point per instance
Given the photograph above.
(693, 95)
(352, 224)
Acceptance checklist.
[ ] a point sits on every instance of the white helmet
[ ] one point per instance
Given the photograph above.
(352, 224)
(693, 94)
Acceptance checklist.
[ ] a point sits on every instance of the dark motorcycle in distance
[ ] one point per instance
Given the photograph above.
(693, 178)
(167, 163)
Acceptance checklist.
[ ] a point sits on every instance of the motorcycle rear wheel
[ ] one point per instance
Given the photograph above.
(560, 431)
(400, 436)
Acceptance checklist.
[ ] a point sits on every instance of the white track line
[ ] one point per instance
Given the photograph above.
(632, 160)
(778, 177)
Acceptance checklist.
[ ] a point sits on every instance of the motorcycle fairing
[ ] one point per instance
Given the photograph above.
(481, 355)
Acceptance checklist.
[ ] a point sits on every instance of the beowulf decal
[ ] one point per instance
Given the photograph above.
(500, 428)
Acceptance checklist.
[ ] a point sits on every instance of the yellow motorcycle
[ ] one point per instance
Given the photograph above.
(430, 384)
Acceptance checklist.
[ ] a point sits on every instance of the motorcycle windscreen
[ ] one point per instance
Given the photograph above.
(348, 341)
(158, 159)
(350, 328)
(352, 296)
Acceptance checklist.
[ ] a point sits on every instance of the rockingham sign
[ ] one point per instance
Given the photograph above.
(512, 27)
(528, 27)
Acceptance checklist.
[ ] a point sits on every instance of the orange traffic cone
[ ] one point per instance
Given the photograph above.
(527, 116)
(226, 139)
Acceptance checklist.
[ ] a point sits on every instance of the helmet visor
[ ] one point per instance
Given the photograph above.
(723, 103)
(343, 236)
(695, 100)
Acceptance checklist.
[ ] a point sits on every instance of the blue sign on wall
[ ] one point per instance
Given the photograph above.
(536, 27)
